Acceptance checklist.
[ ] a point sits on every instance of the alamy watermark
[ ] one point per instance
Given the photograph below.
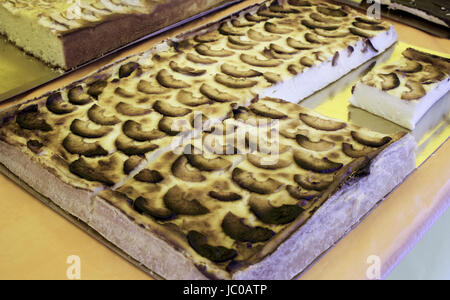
(373, 272)
(374, 10)
(73, 272)
(242, 137)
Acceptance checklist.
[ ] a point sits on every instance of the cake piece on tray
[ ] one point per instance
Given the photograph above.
(404, 91)
(259, 195)
(67, 34)
(177, 158)
(242, 202)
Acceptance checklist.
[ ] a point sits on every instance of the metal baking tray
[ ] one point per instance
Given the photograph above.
(21, 73)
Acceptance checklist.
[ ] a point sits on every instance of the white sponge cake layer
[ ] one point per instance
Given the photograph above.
(32, 37)
(392, 108)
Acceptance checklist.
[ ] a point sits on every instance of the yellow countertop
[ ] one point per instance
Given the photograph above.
(36, 242)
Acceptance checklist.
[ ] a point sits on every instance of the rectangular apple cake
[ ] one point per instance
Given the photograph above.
(68, 33)
(178, 158)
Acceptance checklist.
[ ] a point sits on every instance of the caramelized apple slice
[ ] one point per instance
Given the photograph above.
(216, 95)
(234, 227)
(166, 80)
(205, 164)
(200, 60)
(149, 176)
(130, 110)
(124, 92)
(97, 115)
(260, 37)
(225, 196)
(209, 37)
(274, 28)
(83, 169)
(274, 215)
(127, 69)
(314, 182)
(300, 194)
(76, 145)
(177, 201)
(254, 61)
(180, 170)
(361, 33)
(132, 164)
(187, 98)
(29, 118)
(390, 81)
(96, 88)
(321, 124)
(299, 45)
(168, 110)
(144, 206)
(332, 12)
(226, 29)
(371, 141)
(255, 18)
(186, 70)
(134, 131)
(58, 106)
(235, 83)
(371, 27)
(350, 151)
(234, 71)
(86, 130)
(172, 126)
(314, 25)
(319, 146)
(268, 163)
(247, 181)
(416, 91)
(147, 87)
(410, 67)
(77, 96)
(300, 3)
(267, 112)
(311, 163)
(217, 254)
(129, 147)
(207, 51)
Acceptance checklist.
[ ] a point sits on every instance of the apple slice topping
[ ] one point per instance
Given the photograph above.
(217, 254)
(234, 227)
(269, 214)
(178, 201)
(247, 181)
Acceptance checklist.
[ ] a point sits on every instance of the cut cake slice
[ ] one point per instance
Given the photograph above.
(67, 34)
(404, 91)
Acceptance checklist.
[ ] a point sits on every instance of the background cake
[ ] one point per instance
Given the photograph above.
(67, 34)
